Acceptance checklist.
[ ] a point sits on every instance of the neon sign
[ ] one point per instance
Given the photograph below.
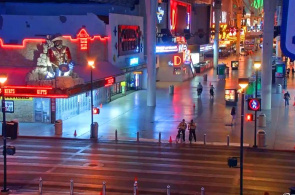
(166, 49)
(83, 36)
(160, 14)
(31, 91)
(109, 81)
(82, 32)
(176, 60)
(206, 47)
(174, 14)
(133, 61)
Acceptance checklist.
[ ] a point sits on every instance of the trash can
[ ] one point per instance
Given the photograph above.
(262, 120)
(58, 127)
(94, 130)
(279, 89)
(171, 89)
(16, 121)
(261, 138)
(11, 129)
(205, 77)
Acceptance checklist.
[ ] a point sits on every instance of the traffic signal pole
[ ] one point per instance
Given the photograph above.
(255, 124)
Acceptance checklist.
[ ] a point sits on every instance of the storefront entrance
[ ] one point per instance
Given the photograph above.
(42, 110)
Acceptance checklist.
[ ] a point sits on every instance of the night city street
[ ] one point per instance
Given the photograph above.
(174, 97)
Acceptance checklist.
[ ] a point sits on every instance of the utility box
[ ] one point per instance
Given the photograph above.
(94, 130)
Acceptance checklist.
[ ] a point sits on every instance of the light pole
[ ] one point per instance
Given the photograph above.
(3, 78)
(257, 66)
(243, 82)
(91, 64)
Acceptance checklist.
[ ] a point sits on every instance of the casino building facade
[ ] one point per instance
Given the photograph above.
(46, 61)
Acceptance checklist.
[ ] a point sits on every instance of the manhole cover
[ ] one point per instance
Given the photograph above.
(94, 164)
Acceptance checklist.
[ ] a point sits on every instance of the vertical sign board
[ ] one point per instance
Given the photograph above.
(288, 29)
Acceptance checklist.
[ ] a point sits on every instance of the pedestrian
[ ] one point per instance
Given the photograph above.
(199, 89)
(182, 127)
(287, 98)
(192, 130)
(233, 114)
(211, 92)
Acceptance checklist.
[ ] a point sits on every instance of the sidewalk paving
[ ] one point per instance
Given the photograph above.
(130, 114)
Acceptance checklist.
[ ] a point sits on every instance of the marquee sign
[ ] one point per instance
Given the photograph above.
(31, 91)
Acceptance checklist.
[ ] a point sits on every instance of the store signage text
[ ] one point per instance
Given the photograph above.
(166, 49)
(206, 47)
(31, 91)
(133, 61)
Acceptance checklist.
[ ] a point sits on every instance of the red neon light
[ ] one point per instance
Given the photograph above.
(25, 41)
(174, 14)
(176, 60)
(82, 35)
(109, 81)
(26, 87)
(32, 95)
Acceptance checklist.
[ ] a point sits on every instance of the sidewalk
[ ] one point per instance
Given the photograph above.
(130, 114)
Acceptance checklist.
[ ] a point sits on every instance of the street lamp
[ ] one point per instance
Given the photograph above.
(91, 64)
(243, 82)
(3, 78)
(257, 65)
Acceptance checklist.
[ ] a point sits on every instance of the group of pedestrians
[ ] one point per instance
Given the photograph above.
(182, 128)
(200, 90)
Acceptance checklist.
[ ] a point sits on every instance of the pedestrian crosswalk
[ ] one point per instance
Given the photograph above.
(186, 168)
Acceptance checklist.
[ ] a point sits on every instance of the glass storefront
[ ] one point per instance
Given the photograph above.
(42, 110)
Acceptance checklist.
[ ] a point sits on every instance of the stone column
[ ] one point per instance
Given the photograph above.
(217, 15)
(278, 38)
(151, 16)
(266, 69)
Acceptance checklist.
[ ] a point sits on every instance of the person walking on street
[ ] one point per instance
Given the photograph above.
(211, 91)
(199, 89)
(286, 98)
(192, 130)
(182, 127)
(233, 114)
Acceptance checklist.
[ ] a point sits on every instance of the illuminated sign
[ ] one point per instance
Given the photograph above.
(83, 36)
(9, 106)
(187, 56)
(166, 49)
(195, 58)
(206, 47)
(182, 48)
(176, 60)
(160, 14)
(129, 40)
(174, 14)
(31, 91)
(254, 104)
(109, 81)
(137, 72)
(133, 61)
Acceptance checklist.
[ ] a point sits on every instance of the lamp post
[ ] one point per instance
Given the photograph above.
(91, 64)
(243, 82)
(257, 66)
(3, 78)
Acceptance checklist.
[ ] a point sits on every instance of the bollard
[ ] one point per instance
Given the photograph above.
(104, 188)
(135, 190)
(40, 185)
(204, 139)
(202, 191)
(71, 187)
(137, 136)
(159, 137)
(227, 140)
(116, 135)
(168, 190)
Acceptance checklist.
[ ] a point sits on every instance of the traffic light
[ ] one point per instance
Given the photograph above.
(249, 117)
(96, 110)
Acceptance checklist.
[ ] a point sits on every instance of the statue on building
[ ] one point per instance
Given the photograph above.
(60, 59)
